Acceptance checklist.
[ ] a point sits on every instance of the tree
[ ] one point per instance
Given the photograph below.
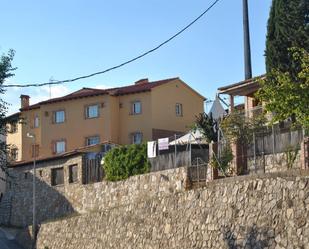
(286, 94)
(207, 125)
(6, 71)
(288, 26)
(125, 161)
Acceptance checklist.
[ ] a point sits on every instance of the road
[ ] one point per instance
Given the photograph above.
(8, 242)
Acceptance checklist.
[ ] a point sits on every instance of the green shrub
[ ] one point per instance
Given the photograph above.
(125, 161)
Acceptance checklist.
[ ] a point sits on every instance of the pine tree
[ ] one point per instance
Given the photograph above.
(288, 26)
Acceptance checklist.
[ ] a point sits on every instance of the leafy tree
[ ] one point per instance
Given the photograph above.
(207, 125)
(286, 94)
(6, 71)
(288, 26)
(125, 161)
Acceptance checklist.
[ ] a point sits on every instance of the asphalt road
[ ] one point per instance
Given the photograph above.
(6, 243)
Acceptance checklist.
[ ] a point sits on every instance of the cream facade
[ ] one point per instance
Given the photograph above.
(140, 112)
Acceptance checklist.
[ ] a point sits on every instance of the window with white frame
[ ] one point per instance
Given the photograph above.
(137, 138)
(178, 109)
(92, 140)
(59, 117)
(59, 146)
(92, 111)
(136, 107)
(36, 122)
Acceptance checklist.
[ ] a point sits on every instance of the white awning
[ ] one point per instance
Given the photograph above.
(193, 137)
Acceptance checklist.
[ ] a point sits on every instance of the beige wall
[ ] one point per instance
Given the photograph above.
(115, 123)
(129, 123)
(16, 140)
(76, 127)
(164, 99)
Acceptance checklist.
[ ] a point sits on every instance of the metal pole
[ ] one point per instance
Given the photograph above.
(175, 163)
(247, 49)
(34, 190)
(254, 153)
(274, 141)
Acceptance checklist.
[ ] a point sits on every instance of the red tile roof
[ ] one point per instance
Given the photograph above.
(89, 92)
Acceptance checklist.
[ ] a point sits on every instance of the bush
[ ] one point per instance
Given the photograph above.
(125, 161)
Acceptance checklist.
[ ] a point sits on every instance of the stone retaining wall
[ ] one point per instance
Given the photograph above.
(269, 211)
(61, 200)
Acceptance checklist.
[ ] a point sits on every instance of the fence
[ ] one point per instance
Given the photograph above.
(178, 155)
(92, 170)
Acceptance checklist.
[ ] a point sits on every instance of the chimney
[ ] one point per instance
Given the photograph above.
(142, 81)
(24, 101)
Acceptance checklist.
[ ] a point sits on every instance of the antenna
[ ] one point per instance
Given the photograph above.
(51, 80)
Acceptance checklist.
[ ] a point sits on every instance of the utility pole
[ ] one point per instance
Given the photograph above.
(247, 49)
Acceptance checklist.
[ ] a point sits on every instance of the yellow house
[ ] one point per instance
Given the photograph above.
(140, 112)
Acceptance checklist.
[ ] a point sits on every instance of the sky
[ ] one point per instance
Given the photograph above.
(65, 39)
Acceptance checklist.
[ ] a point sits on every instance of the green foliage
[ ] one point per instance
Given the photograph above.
(125, 161)
(208, 126)
(291, 154)
(6, 71)
(286, 94)
(287, 27)
(237, 127)
(223, 161)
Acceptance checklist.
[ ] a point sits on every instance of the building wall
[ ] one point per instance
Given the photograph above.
(241, 212)
(129, 123)
(164, 99)
(15, 139)
(115, 122)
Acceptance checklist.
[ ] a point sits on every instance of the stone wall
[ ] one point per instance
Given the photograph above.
(272, 163)
(61, 200)
(270, 211)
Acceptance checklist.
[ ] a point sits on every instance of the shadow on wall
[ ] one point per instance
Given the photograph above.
(254, 237)
(50, 201)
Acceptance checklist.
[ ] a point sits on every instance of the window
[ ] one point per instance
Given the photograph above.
(92, 140)
(36, 122)
(13, 127)
(59, 117)
(178, 110)
(92, 111)
(136, 107)
(35, 150)
(57, 176)
(14, 154)
(137, 138)
(59, 147)
(73, 173)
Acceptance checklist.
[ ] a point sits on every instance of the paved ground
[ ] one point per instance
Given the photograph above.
(7, 241)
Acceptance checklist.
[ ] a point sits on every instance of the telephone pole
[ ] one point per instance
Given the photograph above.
(247, 49)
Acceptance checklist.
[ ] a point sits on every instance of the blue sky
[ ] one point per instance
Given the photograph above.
(66, 39)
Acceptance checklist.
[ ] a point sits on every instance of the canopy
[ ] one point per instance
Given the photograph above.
(193, 137)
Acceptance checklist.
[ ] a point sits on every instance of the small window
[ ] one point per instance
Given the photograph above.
(57, 176)
(14, 154)
(92, 140)
(59, 147)
(137, 138)
(36, 122)
(59, 117)
(92, 111)
(35, 150)
(13, 127)
(26, 175)
(73, 173)
(178, 110)
(136, 107)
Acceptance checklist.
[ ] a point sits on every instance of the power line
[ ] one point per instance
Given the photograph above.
(122, 64)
